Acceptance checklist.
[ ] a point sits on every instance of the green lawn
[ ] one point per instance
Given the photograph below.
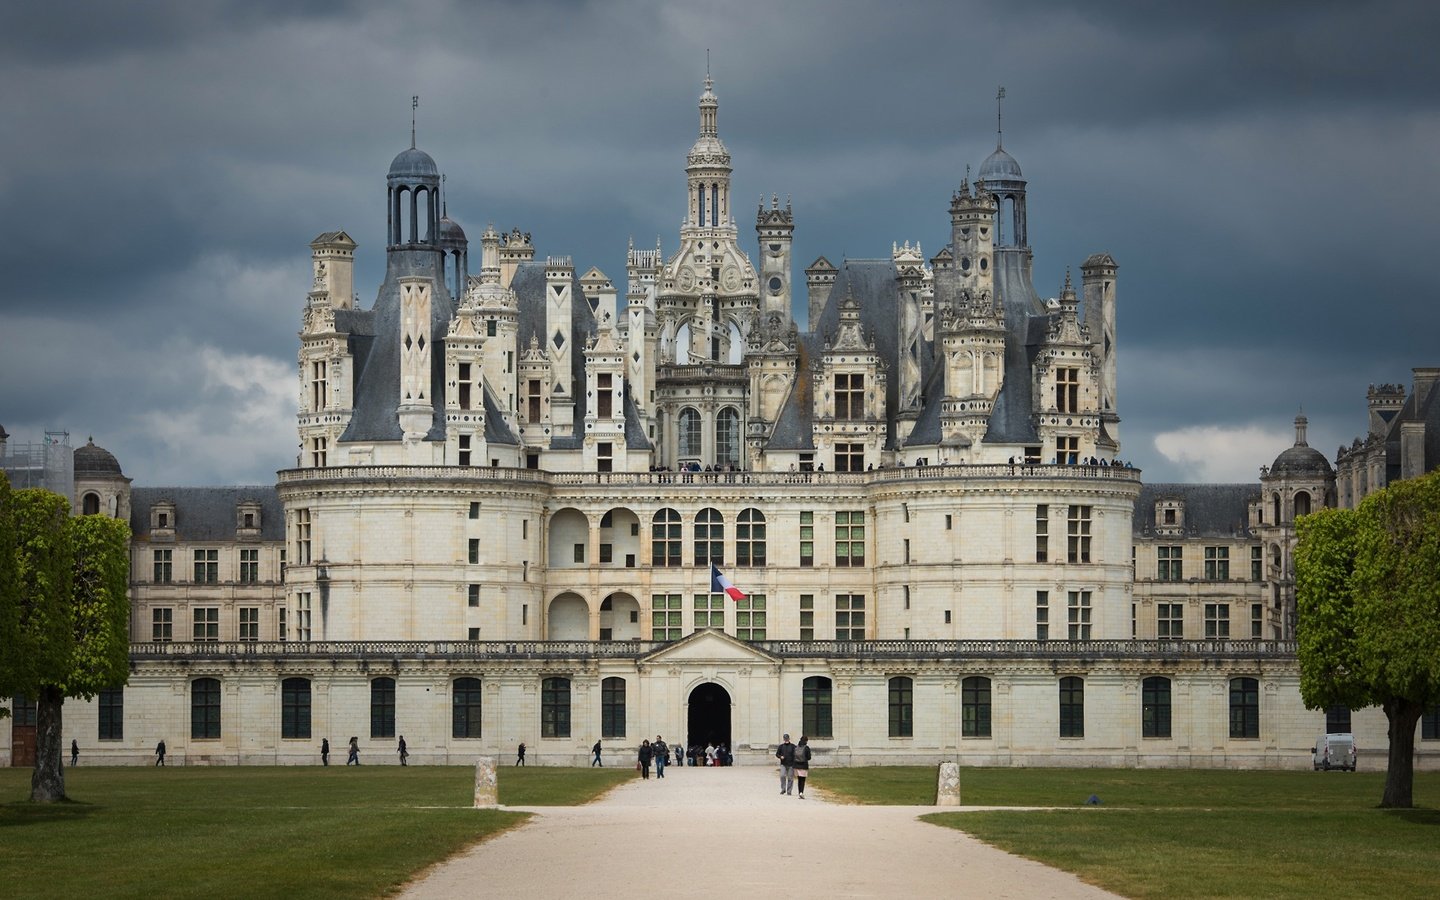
(259, 832)
(1191, 833)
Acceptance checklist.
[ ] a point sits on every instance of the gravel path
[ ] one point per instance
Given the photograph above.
(729, 832)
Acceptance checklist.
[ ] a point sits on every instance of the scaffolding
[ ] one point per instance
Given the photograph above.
(48, 464)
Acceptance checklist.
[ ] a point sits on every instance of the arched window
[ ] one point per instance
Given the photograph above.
(205, 709)
(555, 708)
(1155, 707)
(612, 708)
(665, 538)
(1302, 504)
(709, 537)
(750, 538)
(382, 707)
(815, 717)
(1072, 707)
(90, 504)
(727, 437)
(1275, 502)
(465, 708)
(295, 709)
(690, 432)
(975, 707)
(1244, 708)
(902, 706)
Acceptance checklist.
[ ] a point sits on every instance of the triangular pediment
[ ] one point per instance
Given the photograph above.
(709, 646)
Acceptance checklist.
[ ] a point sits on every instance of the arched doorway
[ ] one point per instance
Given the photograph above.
(708, 718)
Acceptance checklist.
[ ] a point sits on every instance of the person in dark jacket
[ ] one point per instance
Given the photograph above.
(646, 754)
(660, 753)
(403, 751)
(802, 763)
(160, 754)
(520, 754)
(354, 758)
(74, 753)
(324, 751)
(596, 761)
(786, 755)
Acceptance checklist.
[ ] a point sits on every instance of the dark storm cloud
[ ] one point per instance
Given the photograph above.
(1264, 172)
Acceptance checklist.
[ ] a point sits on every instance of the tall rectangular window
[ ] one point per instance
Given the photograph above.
(750, 538)
(162, 572)
(319, 452)
(1042, 533)
(302, 537)
(250, 565)
(1257, 564)
(1337, 720)
(532, 401)
(849, 396)
(463, 450)
(207, 623)
(605, 456)
(205, 709)
(382, 707)
(710, 610)
(1067, 390)
(807, 538)
(975, 707)
(1072, 707)
(1155, 707)
(249, 625)
(318, 385)
(603, 396)
(207, 566)
(1077, 529)
(1042, 615)
(750, 618)
(1257, 620)
(161, 622)
(816, 707)
(1430, 723)
(849, 538)
(666, 623)
(1067, 451)
(709, 537)
(112, 714)
(1217, 563)
(1217, 621)
(1079, 610)
(282, 624)
(1170, 620)
(807, 617)
(465, 708)
(902, 706)
(472, 549)
(555, 708)
(302, 616)
(612, 708)
(463, 386)
(1169, 563)
(295, 709)
(1244, 708)
(472, 596)
(666, 544)
(849, 617)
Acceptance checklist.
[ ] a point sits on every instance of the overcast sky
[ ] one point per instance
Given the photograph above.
(1266, 174)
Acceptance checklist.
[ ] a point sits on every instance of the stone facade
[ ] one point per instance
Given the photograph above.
(513, 491)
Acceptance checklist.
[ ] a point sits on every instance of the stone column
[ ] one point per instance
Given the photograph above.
(486, 794)
(947, 786)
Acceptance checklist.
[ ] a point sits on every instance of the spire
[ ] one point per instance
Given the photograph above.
(1300, 423)
(999, 133)
(414, 105)
(444, 206)
(708, 107)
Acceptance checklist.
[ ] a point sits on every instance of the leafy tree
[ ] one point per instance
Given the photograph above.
(1367, 585)
(9, 593)
(72, 617)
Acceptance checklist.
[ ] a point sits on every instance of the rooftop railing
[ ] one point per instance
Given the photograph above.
(461, 651)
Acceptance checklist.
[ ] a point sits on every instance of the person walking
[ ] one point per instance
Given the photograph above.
(403, 751)
(661, 753)
(680, 755)
(596, 761)
(324, 751)
(802, 763)
(354, 758)
(74, 753)
(160, 753)
(520, 754)
(646, 754)
(786, 755)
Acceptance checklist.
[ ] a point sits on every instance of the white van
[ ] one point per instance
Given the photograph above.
(1334, 751)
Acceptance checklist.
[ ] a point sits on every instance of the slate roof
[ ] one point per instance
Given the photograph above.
(377, 383)
(1211, 510)
(529, 287)
(208, 513)
(1012, 422)
(1416, 409)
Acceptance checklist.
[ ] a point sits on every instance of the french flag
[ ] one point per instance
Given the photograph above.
(719, 584)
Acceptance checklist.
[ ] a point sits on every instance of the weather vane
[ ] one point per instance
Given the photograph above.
(414, 105)
(999, 133)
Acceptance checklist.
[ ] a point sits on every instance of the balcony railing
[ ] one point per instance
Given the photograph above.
(884, 649)
(483, 474)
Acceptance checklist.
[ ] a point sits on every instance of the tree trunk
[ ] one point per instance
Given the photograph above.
(47, 784)
(1400, 775)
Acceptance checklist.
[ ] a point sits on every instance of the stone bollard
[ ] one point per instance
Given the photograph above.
(947, 786)
(486, 794)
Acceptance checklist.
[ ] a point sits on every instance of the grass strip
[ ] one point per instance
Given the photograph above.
(260, 832)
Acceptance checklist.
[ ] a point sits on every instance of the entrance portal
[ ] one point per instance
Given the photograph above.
(709, 716)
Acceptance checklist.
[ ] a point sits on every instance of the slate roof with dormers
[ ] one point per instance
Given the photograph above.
(1210, 510)
(529, 287)
(208, 513)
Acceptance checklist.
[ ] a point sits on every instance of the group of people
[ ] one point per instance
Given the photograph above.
(658, 754)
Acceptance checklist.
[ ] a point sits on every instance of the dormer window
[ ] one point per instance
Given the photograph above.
(247, 517)
(162, 517)
(1170, 515)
